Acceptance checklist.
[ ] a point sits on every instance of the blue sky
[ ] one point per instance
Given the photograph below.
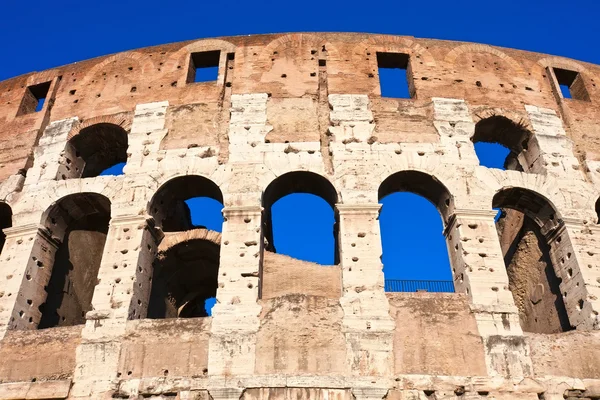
(37, 35)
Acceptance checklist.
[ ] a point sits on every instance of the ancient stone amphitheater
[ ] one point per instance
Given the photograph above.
(101, 277)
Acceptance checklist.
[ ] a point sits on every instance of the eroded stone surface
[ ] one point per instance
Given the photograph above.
(284, 328)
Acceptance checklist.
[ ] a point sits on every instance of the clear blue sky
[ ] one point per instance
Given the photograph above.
(37, 35)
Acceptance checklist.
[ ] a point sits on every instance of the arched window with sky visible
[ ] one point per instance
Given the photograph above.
(412, 219)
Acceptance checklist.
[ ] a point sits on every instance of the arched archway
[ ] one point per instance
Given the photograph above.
(5, 221)
(502, 143)
(185, 275)
(97, 149)
(187, 202)
(525, 224)
(299, 217)
(78, 225)
(415, 210)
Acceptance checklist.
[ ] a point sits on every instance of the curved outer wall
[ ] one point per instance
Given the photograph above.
(302, 102)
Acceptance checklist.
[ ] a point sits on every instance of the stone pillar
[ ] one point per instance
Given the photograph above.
(49, 151)
(26, 265)
(147, 131)
(553, 149)
(235, 315)
(122, 293)
(574, 251)
(479, 271)
(452, 120)
(367, 324)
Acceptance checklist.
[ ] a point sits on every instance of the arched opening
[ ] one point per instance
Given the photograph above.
(79, 225)
(182, 207)
(415, 253)
(526, 221)
(184, 284)
(99, 149)
(597, 207)
(5, 222)
(502, 143)
(188, 202)
(300, 219)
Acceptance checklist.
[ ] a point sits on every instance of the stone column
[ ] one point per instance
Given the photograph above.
(367, 324)
(122, 293)
(553, 149)
(48, 153)
(235, 315)
(479, 271)
(574, 250)
(25, 265)
(147, 131)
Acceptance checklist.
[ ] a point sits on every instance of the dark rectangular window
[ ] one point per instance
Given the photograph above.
(204, 66)
(34, 98)
(571, 84)
(394, 75)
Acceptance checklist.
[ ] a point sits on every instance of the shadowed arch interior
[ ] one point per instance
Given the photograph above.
(168, 206)
(525, 223)
(514, 136)
(93, 150)
(185, 276)
(297, 182)
(5, 221)
(415, 210)
(79, 225)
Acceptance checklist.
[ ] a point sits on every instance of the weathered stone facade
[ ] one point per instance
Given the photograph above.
(304, 110)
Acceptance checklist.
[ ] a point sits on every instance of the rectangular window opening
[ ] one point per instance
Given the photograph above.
(571, 84)
(394, 75)
(34, 98)
(204, 66)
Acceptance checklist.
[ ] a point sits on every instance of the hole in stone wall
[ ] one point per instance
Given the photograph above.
(185, 280)
(84, 219)
(5, 221)
(188, 202)
(204, 66)
(571, 84)
(529, 260)
(299, 208)
(411, 206)
(99, 149)
(395, 79)
(34, 98)
(501, 143)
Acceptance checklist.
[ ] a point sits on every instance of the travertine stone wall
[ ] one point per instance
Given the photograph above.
(303, 102)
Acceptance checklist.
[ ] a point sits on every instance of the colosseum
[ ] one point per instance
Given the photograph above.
(102, 277)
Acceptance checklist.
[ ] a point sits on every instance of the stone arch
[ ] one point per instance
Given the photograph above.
(65, 260)
(93, 148)
(395, 44)
(423, 184)
(140, 59)
(561, 62)
(293, 40)
(168, 207)
(515, 136)
(428, 188)
(453, 54)
(529, 231)
(180, 60)
(123, 120)
(185, 274)
(297, 182)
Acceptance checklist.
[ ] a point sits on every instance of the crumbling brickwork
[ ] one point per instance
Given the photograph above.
(103, 278)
